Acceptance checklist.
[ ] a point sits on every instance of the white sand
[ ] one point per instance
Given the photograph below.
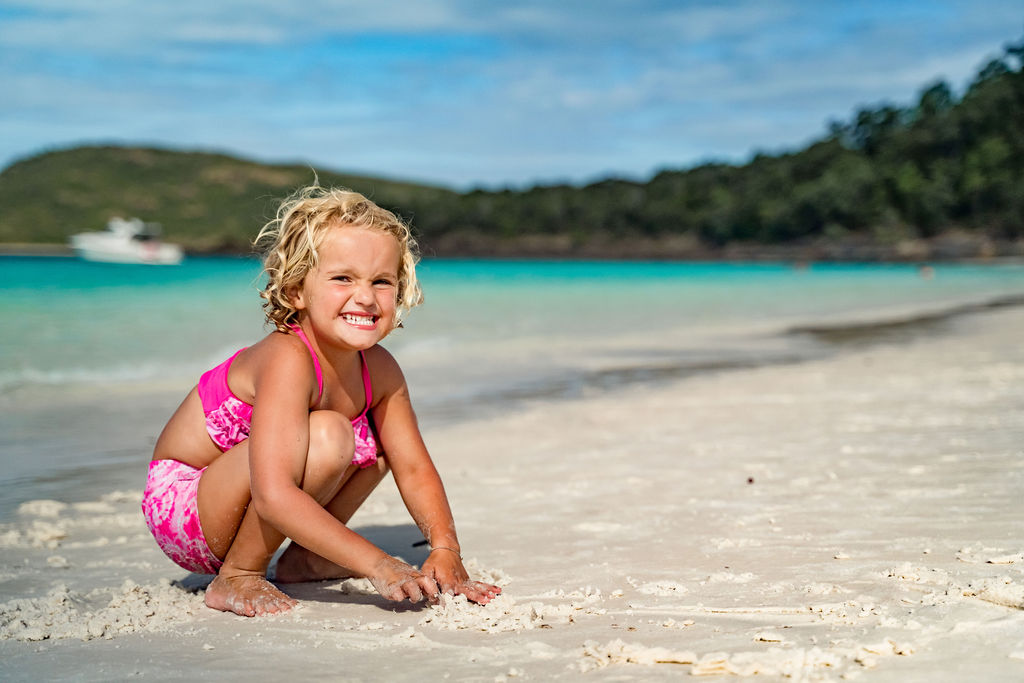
(880, 538)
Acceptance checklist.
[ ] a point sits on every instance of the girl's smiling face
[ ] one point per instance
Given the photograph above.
(350, 297)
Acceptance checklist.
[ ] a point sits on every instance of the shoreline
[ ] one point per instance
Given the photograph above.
(76, 453)
(826, 340)
(799, 255)
(884, 327)
(787, 344)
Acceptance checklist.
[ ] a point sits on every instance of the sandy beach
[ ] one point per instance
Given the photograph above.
(850, 516)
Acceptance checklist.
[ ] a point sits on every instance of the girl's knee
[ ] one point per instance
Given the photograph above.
(331, 443)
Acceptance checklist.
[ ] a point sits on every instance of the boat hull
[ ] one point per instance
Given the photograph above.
(165, 255)
(125, 242)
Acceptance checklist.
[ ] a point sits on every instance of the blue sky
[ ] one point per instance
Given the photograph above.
(475, 93)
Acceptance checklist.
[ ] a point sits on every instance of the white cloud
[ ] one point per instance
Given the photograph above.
(475, 91)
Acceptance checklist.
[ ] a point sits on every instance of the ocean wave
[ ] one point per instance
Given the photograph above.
(116, 371)
(123, 373)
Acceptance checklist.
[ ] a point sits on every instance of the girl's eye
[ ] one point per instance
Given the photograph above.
(342, 278)
(384, 283)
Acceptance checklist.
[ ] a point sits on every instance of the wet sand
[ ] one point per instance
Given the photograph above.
(855, 515)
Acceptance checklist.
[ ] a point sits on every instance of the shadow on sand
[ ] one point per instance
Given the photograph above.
(401, 540)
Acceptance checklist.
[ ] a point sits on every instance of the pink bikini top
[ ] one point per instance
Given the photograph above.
(229, 418)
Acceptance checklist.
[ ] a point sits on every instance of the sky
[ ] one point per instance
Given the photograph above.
(481, 93)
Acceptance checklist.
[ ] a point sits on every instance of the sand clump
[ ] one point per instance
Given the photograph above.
(48, 523)
(77, 530)
(788, 662)
(1003, 590)
(662, 588)
(999, 591)
(100, 613)
(504, 613)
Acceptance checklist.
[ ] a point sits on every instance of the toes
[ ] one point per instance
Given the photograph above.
(273, 604)
(248, 597)
(268, 607)
(243, 607)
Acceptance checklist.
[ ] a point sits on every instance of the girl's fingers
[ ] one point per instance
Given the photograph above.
(478, 592)
(421, 586)
(448, 585)
(486, 588)
(418, 588)
(412, 591)
(429, 588)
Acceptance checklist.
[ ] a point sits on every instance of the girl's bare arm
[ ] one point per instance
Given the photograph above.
(418, 480)
(278, 443)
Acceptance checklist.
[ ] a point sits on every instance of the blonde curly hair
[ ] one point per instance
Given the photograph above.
(296, 233)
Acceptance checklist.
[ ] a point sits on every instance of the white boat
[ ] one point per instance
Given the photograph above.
(126, 241)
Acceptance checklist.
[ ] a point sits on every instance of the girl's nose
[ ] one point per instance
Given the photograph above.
(364, 295)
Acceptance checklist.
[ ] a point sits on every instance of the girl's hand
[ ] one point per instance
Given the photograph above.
(444, 566)
(396, 580)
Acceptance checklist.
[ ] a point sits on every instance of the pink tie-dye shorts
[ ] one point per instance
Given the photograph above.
(170, 506)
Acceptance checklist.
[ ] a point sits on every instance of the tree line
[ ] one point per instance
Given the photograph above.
(890, 173)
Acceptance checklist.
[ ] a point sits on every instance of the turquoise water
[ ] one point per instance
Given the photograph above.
(71, 322)
(94, 357)
(81, 322)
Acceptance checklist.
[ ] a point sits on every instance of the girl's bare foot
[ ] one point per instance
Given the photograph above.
(248, 595)
(297, 564)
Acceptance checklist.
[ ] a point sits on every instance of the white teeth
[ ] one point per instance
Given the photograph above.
(358, 319)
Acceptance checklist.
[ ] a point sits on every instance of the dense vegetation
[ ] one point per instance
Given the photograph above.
(208, 202)
(944, 176)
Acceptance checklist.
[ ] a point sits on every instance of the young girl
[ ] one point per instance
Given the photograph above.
(289, 436)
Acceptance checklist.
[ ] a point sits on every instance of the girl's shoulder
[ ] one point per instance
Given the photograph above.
(281, 344)
(281, 354)
(385, 373)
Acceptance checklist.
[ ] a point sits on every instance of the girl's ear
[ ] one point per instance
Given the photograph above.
(294, 295)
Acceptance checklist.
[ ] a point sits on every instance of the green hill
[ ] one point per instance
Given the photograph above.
(208, 202)
(943, 177)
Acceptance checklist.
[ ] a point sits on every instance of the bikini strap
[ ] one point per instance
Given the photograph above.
(316, 361)
(367, 386)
